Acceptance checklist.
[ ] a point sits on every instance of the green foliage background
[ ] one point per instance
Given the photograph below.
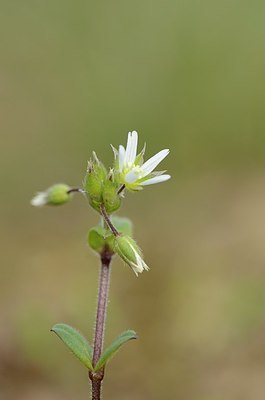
(189, 76)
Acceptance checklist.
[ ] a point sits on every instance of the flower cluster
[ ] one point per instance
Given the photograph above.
(105, 189)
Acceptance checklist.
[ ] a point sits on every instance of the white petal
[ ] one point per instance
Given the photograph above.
(131, 177)
(121, 157)
(156, 179)
(128, 148)
(141, 263)
(133, 148)
(139, 266)
(39, 200)
(150, 164)
(134, 174)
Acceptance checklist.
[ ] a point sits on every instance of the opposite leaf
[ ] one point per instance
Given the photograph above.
(96, 239)
(122, 224)
(114, 347)
(78, 345)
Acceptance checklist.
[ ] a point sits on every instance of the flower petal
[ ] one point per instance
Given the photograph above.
(121, 157)
(134, 143)
(128, 148)
(139, 265)
(131, 176)
(131, 147)
(39, 200)
(156, 179)
(150, 164)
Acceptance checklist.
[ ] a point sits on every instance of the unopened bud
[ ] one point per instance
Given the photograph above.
(111, 199)
(94, 182)
(101, 187)
(128, 250)
(56, 195)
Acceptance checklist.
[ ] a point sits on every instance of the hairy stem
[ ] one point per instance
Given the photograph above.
(97, 377)
(96, 389)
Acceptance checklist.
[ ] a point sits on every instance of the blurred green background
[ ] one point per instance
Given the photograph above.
(187, 75)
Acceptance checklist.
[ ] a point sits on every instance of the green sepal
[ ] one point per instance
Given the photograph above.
(127, 249)
(139, 160)
(123, 225)
(114, 347)
(93, 188)
(111, 199)
(78, 345)
(58, 194)
(94, 182)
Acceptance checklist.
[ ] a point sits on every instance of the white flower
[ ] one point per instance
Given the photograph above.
(134, 173)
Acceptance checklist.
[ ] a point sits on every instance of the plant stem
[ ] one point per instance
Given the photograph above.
(108, 221)
(97, 377)
(75, 190)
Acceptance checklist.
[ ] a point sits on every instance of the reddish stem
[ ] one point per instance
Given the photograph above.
(97, 377)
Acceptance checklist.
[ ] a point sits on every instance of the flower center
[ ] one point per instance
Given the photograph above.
(133, 173)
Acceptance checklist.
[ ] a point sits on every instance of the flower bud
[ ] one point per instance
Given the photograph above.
(111, 199)
(128, 250)
(101, 187)
(94, 182)
(55, 196)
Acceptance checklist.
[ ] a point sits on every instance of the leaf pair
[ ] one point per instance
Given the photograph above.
(99, 237)
(80, 347)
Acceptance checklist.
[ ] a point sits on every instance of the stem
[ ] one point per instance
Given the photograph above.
(121, 189)
(108, 221)
(96, 389)
(97, 377)
(75, 190)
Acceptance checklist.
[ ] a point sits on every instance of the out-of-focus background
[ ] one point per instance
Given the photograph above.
(187, 75)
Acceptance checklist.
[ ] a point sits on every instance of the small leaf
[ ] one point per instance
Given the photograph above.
(96, 238)
(114, 347)
(123, 225)
(78, 345)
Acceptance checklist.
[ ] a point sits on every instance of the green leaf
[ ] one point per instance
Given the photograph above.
(78, 345)
(96, 238)
(114, 347)
(123, 225)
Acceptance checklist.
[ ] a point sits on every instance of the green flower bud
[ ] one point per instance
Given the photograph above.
(101, 187)
(111, 199)
(55, 196)
(128, 250)
(95, 181)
